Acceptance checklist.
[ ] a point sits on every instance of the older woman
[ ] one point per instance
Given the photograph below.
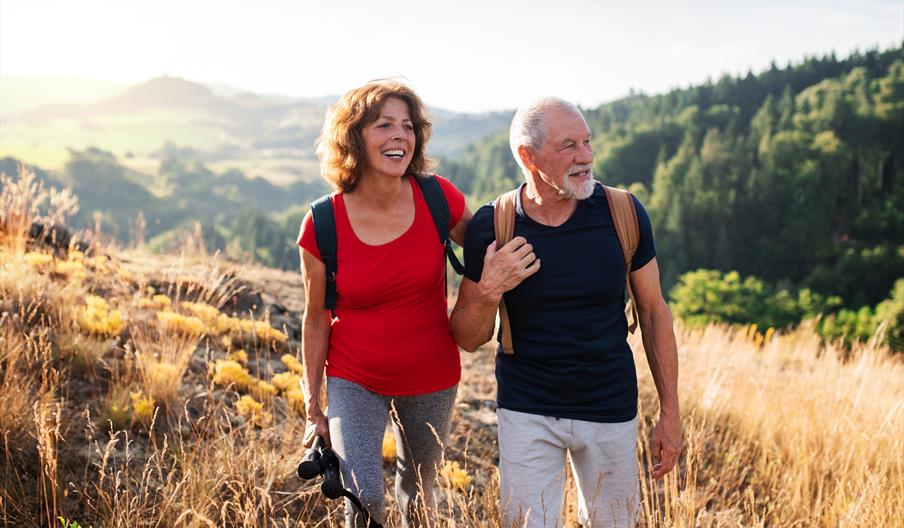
(389, 346)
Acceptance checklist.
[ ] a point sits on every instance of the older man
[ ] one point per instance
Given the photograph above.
(569, 384)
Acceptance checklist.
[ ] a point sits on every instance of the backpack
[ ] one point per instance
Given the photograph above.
(624, 216)
(325, 232)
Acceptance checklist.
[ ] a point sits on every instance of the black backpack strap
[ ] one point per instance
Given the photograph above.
(325, 233)
(439, 210)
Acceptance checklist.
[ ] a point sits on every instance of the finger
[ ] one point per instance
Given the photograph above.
(531, 268)
(523, 251)
(526, 259)
(656, 448)
(514, 244)
(491, 249)
(668, 460)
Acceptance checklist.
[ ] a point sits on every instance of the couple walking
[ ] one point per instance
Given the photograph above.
(569, 251)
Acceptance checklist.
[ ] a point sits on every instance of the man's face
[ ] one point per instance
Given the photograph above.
(565, 159)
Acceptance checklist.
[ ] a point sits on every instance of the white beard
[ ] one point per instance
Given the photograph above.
(577, 190)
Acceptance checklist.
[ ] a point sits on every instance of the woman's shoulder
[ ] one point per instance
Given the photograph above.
(445, 184)
(455, 199)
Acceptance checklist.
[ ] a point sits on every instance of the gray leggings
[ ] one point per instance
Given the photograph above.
(357, 419)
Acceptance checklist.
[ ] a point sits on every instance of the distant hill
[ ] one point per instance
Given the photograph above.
(19, 93)
(268, 136)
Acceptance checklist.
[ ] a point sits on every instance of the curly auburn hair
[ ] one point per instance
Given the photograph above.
(340, 146)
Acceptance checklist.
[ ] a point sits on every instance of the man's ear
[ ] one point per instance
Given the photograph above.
(527, 157)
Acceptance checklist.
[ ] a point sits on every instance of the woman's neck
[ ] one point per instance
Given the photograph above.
(379, 191)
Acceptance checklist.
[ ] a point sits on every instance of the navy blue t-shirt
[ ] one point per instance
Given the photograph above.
(569, 330)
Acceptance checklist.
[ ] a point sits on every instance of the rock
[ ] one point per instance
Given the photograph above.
(56, 237)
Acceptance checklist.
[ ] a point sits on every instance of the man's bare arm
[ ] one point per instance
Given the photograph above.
(474, 315)
(661, 350)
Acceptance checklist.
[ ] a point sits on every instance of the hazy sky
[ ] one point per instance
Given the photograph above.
(462, 55)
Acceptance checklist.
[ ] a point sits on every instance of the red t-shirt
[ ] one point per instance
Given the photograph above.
(391, 333)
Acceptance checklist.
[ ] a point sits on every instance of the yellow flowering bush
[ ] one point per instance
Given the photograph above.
(216, 322)
(292, 364)
(142, 407)
(253, 411)
(295, 398)
(239, 356)
(181, 324)
(37, 259)
(157, 302)
(228, 372)
(389, 447)
(263, 390)
(96, 317)
(71, 269)
(286, 381)
(261, 329)
(453, 476)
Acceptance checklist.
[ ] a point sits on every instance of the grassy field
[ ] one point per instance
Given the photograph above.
(45, 143)
(161, 391)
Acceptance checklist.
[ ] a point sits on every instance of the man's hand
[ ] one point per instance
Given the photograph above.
(317, 425)
(506, 267)
(666, 444)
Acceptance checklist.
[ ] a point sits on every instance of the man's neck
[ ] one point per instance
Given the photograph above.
(544, 204)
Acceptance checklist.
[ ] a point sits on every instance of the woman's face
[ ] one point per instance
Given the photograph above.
(389, 141)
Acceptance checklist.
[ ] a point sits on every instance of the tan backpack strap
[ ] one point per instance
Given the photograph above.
(504, 227)
(624, 216)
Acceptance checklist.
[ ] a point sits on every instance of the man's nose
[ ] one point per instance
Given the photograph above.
(584, 154)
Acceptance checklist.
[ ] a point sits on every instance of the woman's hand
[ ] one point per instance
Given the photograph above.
(317, 425)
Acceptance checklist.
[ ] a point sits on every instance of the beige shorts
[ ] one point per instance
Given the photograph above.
(532, 464)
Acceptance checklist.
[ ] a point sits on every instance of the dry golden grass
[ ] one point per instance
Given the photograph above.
(781, 429)
(792, 432)
(783, 433)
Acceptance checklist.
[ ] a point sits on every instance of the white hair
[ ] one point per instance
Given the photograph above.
(529, 126)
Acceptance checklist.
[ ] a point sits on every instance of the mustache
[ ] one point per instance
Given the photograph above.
(579, 168)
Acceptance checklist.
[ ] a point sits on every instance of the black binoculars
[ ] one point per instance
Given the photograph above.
(323, 461)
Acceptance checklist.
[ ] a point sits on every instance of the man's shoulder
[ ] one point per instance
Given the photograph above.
(483, 218)
(480, 231)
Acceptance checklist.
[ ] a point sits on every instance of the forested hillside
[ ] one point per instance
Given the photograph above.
(794, 175)
(247, 217)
